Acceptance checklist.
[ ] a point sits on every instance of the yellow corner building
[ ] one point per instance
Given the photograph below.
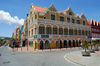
(48, 28)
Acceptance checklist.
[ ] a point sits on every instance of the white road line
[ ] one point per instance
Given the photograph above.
(72, 61)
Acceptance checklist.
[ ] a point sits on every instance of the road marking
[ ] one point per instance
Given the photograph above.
(72, 61)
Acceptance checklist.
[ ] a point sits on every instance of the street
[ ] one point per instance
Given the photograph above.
(9, 58)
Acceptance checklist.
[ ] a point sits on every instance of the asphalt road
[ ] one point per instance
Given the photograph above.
(9, 58)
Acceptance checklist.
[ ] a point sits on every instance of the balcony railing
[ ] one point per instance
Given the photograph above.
(60, 22)
(57, 36)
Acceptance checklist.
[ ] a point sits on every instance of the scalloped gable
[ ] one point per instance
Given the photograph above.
(52, 8)
(83, 16)
(68, 10)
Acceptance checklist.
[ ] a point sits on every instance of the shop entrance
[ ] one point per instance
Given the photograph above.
(69, 43)
(60, 44)
(77, 43)
(73, 43)
(46, 44)
(41, 44)
(65, 43)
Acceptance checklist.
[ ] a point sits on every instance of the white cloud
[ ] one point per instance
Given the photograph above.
(6, 17)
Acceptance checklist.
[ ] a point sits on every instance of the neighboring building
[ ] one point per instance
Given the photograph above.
(14, 34)
(17, 33)
(25, 28)
(95, 29)
(21, 33)
(50, 28)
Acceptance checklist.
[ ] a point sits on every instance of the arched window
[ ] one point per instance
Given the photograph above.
(54, 30)
(48, 30)
(60, 31)
(79, 32)
(65, 31)
(70, 31)
(82, 32)
(75, 32)
(41, 30)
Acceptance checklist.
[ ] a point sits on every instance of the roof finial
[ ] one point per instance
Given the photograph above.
(31, 4)
(69, 4)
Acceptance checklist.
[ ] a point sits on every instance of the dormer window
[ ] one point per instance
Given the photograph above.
(78, 21)
(70, 13)
(52, 17)
(83, 22)
(61, 18)
(73, 20)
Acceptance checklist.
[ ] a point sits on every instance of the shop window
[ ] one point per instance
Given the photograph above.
(61, 18)
(60, 31)
(54, 30)
(41, 30)
(52, 17)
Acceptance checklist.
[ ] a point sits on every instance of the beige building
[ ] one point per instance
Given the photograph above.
(51, 28)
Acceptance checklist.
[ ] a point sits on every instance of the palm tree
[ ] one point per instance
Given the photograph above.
(85, 45)
(96, 46)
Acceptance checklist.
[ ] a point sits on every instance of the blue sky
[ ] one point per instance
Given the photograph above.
(19, 8)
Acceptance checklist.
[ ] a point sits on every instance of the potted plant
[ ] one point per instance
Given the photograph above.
(85, 46)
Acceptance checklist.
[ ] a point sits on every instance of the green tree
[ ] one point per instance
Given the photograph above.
(85, 45)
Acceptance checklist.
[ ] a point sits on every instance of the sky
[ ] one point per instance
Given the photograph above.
(13, 12)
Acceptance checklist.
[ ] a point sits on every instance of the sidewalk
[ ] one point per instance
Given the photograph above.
(77, 58)
(25, 49)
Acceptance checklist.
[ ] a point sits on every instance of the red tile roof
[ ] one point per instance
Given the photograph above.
(39, 9)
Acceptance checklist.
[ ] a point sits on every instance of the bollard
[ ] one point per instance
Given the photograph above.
(27, 48)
